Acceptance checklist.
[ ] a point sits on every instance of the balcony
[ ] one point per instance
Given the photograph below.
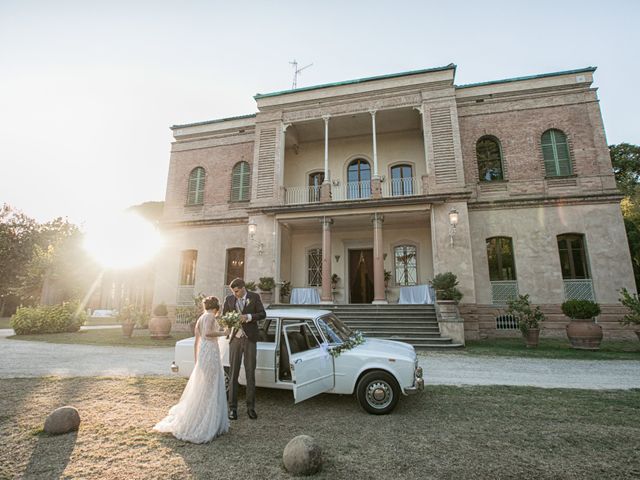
(397, 187)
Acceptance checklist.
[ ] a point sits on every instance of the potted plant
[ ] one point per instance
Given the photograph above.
(266, 285)
(285, 291)
(582, 331)
(387, 278)
(632, 302)
(335, 279)
(160, 325)
(445, 285)
(529, 319)
(250, 286)
(128, 316)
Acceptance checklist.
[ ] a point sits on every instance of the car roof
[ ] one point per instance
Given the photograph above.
(302, 313)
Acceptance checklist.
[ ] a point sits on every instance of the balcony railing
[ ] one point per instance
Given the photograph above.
(579, 290)
(399, 187)
(298, 195)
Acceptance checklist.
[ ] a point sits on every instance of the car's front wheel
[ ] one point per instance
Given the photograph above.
(378, 392)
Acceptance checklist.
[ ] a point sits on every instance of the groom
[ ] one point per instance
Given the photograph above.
(242, 342)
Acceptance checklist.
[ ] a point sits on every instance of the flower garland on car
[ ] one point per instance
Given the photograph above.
(353, 341)
(231, 319)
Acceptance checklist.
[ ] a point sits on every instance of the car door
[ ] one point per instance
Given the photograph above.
(311, 366)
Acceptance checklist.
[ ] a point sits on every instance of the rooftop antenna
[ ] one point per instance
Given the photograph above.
(296, 72)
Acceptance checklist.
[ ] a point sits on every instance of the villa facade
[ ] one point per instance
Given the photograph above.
(508, 184)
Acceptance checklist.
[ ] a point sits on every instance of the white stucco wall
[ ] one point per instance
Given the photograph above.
(533, 232)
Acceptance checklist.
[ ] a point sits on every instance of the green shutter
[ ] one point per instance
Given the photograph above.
(240, 182)
(555, 151)
(195, 194)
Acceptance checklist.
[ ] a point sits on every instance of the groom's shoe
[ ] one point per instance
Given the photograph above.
(233, 414)
(252, 414)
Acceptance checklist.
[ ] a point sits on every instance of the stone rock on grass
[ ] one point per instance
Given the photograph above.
(62, 420)
(302, 456)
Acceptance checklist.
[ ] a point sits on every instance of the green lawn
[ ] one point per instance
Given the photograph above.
(553, 348)
(444, 433)
(105, 336)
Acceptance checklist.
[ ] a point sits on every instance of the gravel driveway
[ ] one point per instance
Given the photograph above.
(34, 359)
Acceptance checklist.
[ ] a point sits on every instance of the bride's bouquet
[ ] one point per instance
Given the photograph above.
(231, 319)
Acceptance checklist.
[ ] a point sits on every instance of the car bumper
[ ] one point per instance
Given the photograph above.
(418, 383)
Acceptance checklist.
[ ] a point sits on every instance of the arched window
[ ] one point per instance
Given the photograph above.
(489, 156)
(240, 188)
(573, 257)
(314, 267)
(315, 182)
(501, 262)
(555, 151)
(405, 258)
(401, 180)
(188, 267)
(359, 179)
(195, 195)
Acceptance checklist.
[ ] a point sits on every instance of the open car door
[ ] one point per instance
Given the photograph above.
(311, 366)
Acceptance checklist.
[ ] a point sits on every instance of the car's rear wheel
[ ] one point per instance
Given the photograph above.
(378, 392)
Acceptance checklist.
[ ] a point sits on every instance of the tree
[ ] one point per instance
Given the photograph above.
(625, 159)
(17, 236)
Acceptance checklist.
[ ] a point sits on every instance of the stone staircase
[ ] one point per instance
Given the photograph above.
(413, 324)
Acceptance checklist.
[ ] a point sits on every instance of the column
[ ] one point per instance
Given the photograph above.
(325, 296)
(282, 192)
(425, 178)
(379, 296)
(376, 182)
(325, 189)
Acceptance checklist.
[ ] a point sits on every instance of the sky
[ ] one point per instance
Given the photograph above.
(89, 89)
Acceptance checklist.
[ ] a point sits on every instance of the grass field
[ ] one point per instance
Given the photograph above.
(554, 348)
(444, 433)
(105, 336)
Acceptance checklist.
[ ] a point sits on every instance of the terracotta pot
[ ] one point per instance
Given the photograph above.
(266, 297)
(127, 329)
(584, 334)
(532, 337)
(159, 327)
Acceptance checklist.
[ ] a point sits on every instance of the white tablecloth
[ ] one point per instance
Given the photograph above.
(301, 296)
(420, 294)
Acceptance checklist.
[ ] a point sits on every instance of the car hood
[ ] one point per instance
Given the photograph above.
(375, 346)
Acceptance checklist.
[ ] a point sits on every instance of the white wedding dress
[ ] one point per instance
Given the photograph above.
(201, 414)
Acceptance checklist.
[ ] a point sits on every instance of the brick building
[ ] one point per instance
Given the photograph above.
(365, 177)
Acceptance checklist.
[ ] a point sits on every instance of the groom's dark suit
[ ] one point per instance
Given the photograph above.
(244, 345)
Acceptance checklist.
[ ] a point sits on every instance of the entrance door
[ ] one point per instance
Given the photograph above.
(361, 276)
(235, 264)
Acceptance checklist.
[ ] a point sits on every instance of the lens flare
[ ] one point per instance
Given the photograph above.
(123, 241)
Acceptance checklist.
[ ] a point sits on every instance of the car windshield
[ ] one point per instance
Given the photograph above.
(333, 329)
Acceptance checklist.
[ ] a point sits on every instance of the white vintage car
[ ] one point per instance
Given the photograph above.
(293, 353)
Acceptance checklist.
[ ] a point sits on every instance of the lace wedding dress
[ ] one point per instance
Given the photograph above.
(201, 414)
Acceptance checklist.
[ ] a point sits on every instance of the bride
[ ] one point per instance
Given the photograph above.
(201, 414)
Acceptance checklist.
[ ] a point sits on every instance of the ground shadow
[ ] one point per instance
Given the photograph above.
(51, 455)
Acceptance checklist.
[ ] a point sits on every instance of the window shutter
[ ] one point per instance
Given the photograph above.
(195, 195)
(240, 182)
(555, 152)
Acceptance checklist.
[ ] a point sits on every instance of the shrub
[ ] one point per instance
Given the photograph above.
(285, 289)
(160, 310)
(580, 309)
(335, 278)
(445, 286)
(132, 314)
(632, 302)
(250, 286)
(48, 319)
(266, 284)
(528, 317)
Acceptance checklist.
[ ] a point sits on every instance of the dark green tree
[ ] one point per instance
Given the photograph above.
(625, 159)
